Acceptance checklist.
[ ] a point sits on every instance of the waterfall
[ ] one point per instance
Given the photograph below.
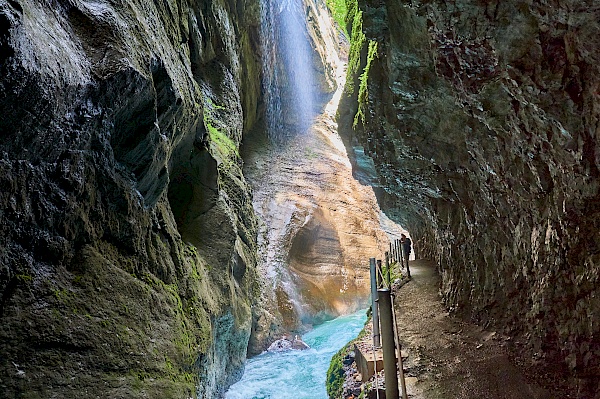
(288, 75)
(289, 86)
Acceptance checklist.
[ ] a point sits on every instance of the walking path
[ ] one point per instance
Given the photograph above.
(449, 358)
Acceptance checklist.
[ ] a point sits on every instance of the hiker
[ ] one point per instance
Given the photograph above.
(406, 247)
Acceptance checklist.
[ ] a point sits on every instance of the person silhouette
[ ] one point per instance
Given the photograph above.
(406, 249)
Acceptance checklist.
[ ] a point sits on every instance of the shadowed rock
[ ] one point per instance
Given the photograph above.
(481, 120)
(128, 249)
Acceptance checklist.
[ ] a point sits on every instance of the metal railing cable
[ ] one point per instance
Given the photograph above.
(399, 351)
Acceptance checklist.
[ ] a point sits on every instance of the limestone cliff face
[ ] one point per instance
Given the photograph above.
(319, 226)
(128, 238)
(482, 120)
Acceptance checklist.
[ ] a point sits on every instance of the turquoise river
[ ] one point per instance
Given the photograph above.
(298, 374)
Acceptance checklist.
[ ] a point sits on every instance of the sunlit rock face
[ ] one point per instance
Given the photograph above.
(482, 120)
(319, 226)
(127, 257)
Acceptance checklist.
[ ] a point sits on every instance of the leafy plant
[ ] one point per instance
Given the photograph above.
(338, 11)
(335, 374)
(357, 41)
(363, 92)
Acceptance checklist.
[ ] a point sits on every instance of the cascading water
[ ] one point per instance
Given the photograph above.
(288, 72)
(298, 374)
(292, 101)
(289, 88)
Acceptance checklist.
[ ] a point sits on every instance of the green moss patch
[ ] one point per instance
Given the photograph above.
(222, 143)
(357, 42)
(336, 375)
(338, 11)
(363, 92)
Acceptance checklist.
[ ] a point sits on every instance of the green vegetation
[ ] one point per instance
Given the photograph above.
(357, 42)
(211, 105)
(339, 10)
(360, 56)
(78, 280)
(63, 296)
(222, 147)
(335, 374)
(224, 144)
(351, 10)
(190, 251)
(24, 278)
(368, 388)
(363, 92)
(105, 323)
(395, 272)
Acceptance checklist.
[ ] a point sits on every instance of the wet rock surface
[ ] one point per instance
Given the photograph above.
(287, 343)
(319, 228)
(127, 255)
(281, 345)
(481, 119)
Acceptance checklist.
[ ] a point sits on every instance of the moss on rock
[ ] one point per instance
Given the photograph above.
(114, 282)
(339, 11)
(336, 375)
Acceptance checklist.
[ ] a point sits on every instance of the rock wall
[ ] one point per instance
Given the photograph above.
(482, 118)
(128, 238)
(318, 225)
(318, 228)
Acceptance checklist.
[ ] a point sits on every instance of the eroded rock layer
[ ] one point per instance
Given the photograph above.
(482, 120)
(319, 226)
(128, 238)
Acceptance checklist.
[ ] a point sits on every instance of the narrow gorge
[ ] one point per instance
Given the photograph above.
(318, 225)
(184, 181)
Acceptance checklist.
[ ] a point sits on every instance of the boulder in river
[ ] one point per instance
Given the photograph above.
(280, 345)
(299, 344)
(285, 344)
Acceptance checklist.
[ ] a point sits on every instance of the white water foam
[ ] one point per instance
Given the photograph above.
(298, 374)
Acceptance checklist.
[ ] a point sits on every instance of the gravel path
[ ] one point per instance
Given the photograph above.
(449, 358)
